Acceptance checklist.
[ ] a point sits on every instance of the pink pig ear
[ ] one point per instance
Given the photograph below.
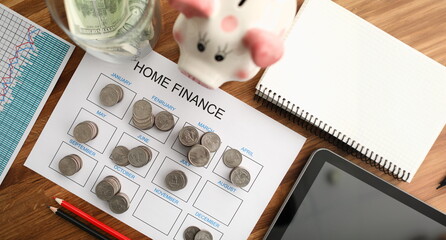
(266, 48)
(193, 8)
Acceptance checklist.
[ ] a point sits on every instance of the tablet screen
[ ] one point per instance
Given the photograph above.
(340, 206)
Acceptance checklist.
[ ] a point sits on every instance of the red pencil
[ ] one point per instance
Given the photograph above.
(91, 219)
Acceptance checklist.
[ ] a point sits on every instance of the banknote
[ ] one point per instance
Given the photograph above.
(110, 19)
(96, 19)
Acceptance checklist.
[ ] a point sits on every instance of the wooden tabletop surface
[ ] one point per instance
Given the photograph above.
(25, 195)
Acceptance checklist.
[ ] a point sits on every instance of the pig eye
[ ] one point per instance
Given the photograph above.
(219, 57)
(221, 53)
(201, 46)
(202, 42)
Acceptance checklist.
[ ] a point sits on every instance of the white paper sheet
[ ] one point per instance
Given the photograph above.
(209, 201)
(365, 87)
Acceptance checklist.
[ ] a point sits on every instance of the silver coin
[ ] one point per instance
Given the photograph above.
(118, 89)
(176, 180)
(69, 165)
(190, 232)
(232, 158)
(199, 155)
(119, 203)
(142, 109)
(203, 235)
(164, 121)
(145, 124)
(188, 136)
(119, 156)
(109, 96)
(94, 129)
(107, 188)
(240, 177)
(85, 131)
(211, 141)
(139, 156)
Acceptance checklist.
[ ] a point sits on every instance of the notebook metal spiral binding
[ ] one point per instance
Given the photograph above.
(309, 122)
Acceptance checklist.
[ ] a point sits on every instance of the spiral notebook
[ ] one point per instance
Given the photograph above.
(356, 86)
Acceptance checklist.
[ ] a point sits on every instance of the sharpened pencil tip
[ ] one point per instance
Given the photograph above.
(53, 209)
(58, 200)
(53, 197)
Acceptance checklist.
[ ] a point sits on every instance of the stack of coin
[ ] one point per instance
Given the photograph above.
(85, 131)
(211, 141)
(164, 121)
(189, 136)
(70, 165)
(194, 233)
(176, 180)
(190, 232)
(107, 188)
(199, 155)
(240, 177)
(119, 156)
(232, 158)
(119, 203)
(142, 115)
(139, 156)
(111, 95)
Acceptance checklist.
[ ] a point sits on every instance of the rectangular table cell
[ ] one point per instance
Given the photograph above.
(130, 142)
(170, 165)
(157, 213)
(154, 132)
(88, 164)
(218, 203)
(254, 168)
(105, 130)
(127, 186)
(120, 108)
(183, 150)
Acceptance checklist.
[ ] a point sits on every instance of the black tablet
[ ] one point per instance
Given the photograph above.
(335, 199)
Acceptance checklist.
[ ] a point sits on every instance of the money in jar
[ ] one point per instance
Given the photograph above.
(116, 31)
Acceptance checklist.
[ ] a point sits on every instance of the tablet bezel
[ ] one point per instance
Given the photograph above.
(311, 171)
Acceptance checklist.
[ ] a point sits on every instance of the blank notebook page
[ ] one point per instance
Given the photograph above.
(363, 82)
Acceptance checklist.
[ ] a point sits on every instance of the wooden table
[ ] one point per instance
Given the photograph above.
(25, 195)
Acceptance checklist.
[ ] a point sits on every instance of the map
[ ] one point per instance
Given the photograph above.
(32, 60)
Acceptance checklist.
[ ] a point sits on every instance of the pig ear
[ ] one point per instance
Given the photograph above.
(193, 8)
(266, 48)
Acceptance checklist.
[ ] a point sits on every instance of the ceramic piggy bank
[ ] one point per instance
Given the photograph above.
(226, 40)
